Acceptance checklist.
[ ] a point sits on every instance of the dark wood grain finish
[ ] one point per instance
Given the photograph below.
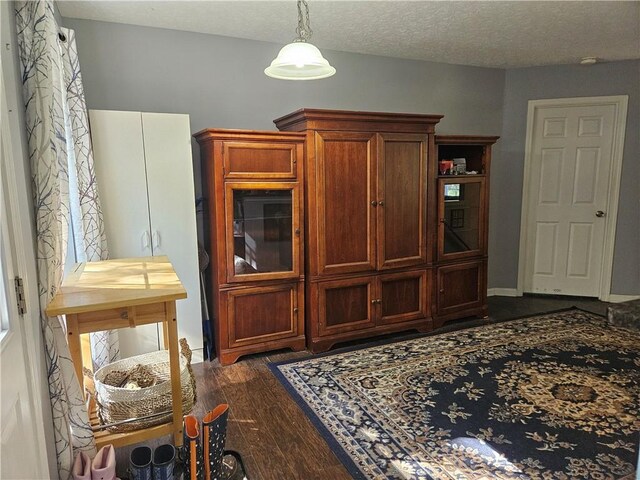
(346, 305)
(219, 158)
(403, 296)
(267, 160)
(459, 271)
(345, 189)
(460, 286)
(316, 119)
(401, 200)
(262, 313)
(367, 212)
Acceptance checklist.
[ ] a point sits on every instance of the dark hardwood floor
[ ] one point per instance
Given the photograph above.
(277, 441)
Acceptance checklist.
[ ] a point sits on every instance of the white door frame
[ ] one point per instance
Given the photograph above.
(30, 321)
(620, 103)
(20, 208)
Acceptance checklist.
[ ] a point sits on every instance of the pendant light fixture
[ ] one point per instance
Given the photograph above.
(300, 60)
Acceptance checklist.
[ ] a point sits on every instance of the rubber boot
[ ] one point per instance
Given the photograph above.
(140, 463)
(192, 449)
(81, 469)
(103, 466)
(164, 462)
(214, 431)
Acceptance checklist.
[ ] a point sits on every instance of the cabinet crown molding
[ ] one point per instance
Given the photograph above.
(209, 134)
(466, 139)
(320, 119)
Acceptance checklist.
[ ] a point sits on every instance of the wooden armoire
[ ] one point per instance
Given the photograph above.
(328, 231)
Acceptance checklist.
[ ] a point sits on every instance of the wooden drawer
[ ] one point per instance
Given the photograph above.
(121, 317)
(267, 160)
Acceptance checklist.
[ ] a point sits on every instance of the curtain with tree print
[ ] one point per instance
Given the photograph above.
(59, 150)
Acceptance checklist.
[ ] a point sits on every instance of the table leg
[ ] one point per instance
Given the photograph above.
(174, 366)
(165, 334)
(73, 339)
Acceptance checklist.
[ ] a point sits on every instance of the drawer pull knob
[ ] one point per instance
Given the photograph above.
(124, 315)
(374, 203)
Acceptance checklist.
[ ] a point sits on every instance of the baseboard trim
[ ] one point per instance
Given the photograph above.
(615, 298)
(503, 292)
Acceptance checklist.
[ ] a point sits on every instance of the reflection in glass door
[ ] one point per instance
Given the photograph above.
(461, 217)
(262, 231)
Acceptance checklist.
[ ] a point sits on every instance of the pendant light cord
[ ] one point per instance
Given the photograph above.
(304, 26)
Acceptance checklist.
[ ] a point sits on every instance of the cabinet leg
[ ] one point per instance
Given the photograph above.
(174, 366)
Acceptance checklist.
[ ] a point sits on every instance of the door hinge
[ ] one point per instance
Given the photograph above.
(20, 300)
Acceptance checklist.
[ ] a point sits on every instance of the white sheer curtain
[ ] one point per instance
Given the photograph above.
(87, 227)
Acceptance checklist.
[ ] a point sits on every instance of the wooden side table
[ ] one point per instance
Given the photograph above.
(122, 293)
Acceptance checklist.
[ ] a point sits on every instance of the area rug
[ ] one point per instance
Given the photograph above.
(555, 396)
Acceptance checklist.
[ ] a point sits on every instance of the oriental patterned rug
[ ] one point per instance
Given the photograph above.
(555, 396)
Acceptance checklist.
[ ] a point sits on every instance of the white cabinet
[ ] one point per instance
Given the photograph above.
(144, 172)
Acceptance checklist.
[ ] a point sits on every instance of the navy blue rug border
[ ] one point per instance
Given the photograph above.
(335, 446)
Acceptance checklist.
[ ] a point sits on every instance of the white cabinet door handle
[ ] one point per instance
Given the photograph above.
(145, 240)
(156, 239)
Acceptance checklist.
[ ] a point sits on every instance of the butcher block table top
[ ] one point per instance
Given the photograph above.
(117, 283)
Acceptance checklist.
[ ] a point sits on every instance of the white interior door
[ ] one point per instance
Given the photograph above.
(20, 431)
(118, 150)
(167, 143)
(568, 197)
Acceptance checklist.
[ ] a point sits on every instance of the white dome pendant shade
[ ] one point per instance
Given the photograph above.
(299, 61)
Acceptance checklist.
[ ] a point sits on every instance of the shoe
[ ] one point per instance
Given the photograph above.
(214, 431)
(140, 463)
(192, 449)
(164, 462)
(103, 466)
(81, 469)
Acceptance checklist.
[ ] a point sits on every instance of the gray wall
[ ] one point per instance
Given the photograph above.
(219, 82)
(524, 84)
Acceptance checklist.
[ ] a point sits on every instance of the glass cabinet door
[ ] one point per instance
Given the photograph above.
(263, 231)
(461, 213)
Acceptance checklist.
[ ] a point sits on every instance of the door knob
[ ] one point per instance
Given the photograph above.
(600, 213)
(374, 203)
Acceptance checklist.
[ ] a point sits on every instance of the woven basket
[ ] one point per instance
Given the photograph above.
(116, 404)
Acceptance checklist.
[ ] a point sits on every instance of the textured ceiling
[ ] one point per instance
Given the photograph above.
(483, 33)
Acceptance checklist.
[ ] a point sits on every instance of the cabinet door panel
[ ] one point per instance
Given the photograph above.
(118, 151)
(346, 305)
(401, 200)
(169, 167)
(460, 287)
(345, 190)
(403, 297)
(461, 213)
(261, 159)
(262, 314)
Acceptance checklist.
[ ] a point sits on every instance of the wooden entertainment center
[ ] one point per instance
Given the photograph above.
(340, 226)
